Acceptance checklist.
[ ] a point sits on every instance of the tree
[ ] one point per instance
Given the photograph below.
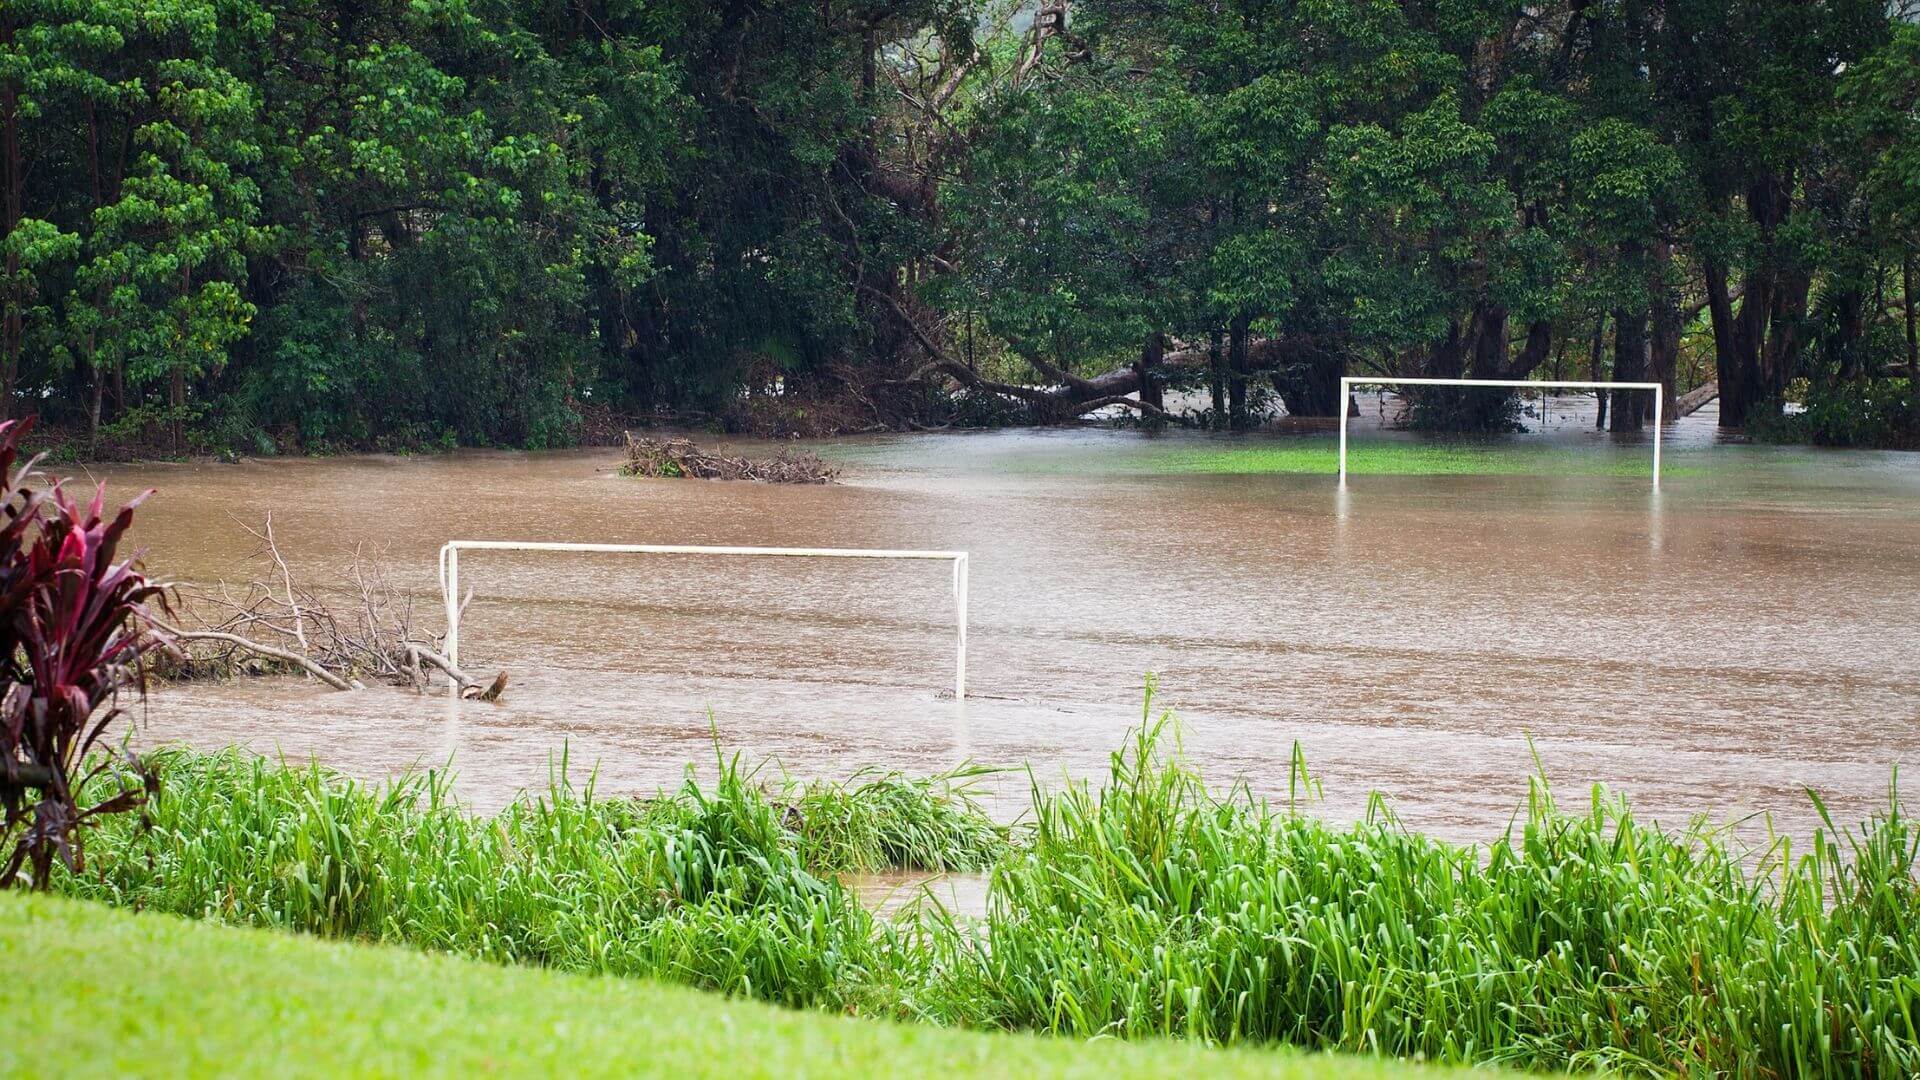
(1746, 88)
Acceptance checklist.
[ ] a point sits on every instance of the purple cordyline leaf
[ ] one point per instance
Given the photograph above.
(72, 630)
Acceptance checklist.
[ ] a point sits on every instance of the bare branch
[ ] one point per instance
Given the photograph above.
(259, 648)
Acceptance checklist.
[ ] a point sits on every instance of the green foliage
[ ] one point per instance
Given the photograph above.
(1871, 413)
(1879, 97)
(1463, 409)
(883, 820)
(321, 224)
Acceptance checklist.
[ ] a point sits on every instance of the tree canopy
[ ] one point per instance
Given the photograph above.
(315, 223)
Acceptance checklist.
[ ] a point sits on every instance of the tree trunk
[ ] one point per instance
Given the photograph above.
(1448, 358)
(93, 408)
(1786, 333)
(177, 401)
(1849, 312)
(1629, 365)
(1151, 382)
(1729, 372)
(1913, 326)
(1312, 388)
(1664, 353)
(1238, 417)
(1748, 378)
(1593, 367)
(1535, 352)
(177, 390)
(1217, 377)
(1489, 341)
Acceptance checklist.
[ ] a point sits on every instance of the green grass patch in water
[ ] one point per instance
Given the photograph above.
(1399, 459)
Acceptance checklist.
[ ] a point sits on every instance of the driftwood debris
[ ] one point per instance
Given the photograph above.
(682, 458)
(275, 624)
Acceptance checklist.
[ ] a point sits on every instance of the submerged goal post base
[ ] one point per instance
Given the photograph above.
(1348, 382)
(450, 576)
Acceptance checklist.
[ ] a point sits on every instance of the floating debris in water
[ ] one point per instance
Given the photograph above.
(680, 457)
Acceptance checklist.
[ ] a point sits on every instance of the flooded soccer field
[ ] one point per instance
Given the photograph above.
(1713, 649)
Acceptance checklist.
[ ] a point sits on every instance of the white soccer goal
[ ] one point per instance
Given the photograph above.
(450, 576)
(1350, 381)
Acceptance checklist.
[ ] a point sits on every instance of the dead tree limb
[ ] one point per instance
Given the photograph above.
(418, 654)
(258, 648)
(366, 634)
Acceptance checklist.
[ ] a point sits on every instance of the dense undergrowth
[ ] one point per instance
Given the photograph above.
(1145, 906)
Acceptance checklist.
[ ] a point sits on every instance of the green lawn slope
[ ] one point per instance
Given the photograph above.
(93, 991)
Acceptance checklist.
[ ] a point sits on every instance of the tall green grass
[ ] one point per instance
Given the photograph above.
(1151, 907)
(883, 820)
(1146, 905)
(729, 886)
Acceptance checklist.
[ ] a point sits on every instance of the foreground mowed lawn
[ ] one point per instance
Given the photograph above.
(94, 991)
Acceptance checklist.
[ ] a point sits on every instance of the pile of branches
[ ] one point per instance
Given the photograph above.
(275, 624)
(680, 457)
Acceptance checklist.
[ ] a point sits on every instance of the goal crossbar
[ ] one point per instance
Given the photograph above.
(1347, 383)
(450, 576)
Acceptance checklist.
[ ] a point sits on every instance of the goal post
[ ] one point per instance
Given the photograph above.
(450, 576)
(1348, 382)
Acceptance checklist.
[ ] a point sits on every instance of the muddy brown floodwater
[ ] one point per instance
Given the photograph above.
(1748, 632)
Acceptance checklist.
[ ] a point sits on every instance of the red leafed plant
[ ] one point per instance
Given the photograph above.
(73, 628)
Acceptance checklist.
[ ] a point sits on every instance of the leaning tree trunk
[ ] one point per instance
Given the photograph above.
(1848, 308)
(1489, 344)
(1447, 360)
(1730, 367)
(1786, 333)
(1913, 319)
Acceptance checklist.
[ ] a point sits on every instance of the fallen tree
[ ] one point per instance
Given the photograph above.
(1070, 395)
(1695, 399)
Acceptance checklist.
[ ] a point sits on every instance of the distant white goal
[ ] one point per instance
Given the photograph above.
(1348, 382)
(450, 576)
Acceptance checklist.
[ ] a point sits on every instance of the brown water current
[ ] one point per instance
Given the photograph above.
(1711, 650)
